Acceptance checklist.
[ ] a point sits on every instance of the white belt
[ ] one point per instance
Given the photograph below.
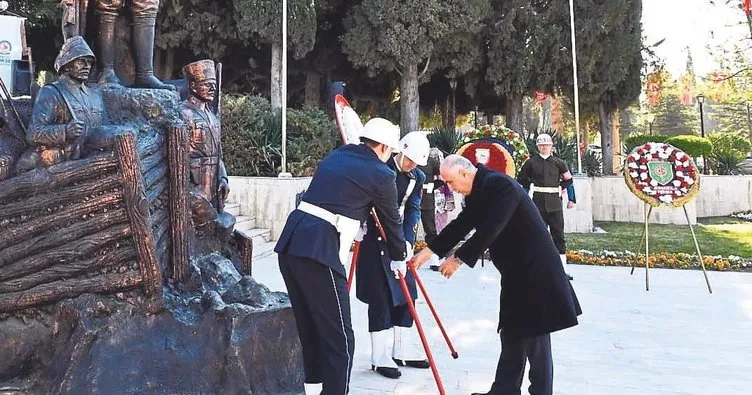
(408, 191)
(346, 227)
(545, 189)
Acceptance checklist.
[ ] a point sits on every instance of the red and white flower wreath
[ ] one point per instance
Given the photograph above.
(674, 189)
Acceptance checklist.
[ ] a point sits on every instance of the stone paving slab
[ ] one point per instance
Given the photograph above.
(675, 339)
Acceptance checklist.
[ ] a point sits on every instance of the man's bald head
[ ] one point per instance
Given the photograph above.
(459, 173)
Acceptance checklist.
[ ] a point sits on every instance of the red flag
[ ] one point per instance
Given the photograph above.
(747, 6)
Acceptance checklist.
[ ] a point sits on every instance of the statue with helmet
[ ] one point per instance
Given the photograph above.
(394, 339)
(209, 185)
(65, 111)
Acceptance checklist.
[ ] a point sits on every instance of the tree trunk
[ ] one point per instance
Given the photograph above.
(616, 140)
(276, 72)
(586, 135)
(514, 112)
(606, 129)
(409, 100)
(169, 64)
(313, 89)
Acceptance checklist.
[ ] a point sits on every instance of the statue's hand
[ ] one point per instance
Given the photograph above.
(73, 129)
(223, 189)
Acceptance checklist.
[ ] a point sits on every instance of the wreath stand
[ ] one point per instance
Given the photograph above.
(646, 237)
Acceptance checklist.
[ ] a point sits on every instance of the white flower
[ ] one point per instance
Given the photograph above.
(635, 156)
(676, 183)
(643, 176)
(653, 183)
(685, 163)
(690, 181)
(679, 155)
(666, 198)
(632, 165)
(663, 155)
(680, 173)
(633, 174)
(643, 167)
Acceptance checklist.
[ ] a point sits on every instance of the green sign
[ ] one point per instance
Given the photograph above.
(662, 172)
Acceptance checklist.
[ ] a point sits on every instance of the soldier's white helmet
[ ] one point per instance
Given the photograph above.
(544, 139)
(415, 147)
(382, 131)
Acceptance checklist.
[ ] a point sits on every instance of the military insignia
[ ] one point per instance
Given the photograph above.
(415, 228)
(662, 172)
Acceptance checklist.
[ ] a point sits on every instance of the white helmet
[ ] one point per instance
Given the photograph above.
(544, 139)
(415, 147)
(382, 131)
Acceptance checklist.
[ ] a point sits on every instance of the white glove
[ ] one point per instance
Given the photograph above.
(410, 251)
(361, 232)
(399, 267)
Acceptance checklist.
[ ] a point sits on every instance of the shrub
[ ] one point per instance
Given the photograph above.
(693, 146)
(252, 137)
(445, 138)
(639, 139)
(591, 164)
(729, 151)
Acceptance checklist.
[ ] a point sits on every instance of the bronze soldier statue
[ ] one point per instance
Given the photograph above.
(144, 13)
(65, 111)
(208, 178)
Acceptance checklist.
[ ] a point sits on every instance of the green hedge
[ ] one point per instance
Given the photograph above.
(693, 146)
(639, 139)
(252, 137)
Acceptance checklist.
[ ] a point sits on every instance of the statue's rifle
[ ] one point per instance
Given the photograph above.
(218, 109)
(6, 96)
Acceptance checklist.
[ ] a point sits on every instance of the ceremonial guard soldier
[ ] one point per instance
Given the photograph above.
(316, 240)
(393, 338)
(209, 184)
(548, 176)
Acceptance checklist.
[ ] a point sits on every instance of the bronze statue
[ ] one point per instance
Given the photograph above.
(208, 177)
(144, 13)
(65, 111)
(74, 17)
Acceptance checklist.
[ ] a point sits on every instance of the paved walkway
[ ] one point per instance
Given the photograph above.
(675, 339)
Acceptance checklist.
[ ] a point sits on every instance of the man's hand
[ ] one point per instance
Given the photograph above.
(73, 129)
(570, 205)
(223, 189)
(423, 256)
(449, 267)
(399, 267)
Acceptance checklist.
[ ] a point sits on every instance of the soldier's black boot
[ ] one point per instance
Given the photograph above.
(143, 53)
(106, 48)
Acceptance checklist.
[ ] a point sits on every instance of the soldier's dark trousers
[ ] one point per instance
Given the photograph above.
(555, 221)
(515, 351)
(384, 314)
(428, 219)
(321, 306)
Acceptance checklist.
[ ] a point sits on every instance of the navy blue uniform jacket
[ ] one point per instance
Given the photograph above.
(373, 263)
(536, 297)
(349, 181)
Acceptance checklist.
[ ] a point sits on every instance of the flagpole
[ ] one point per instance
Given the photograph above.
(284, 89)
(576, 87)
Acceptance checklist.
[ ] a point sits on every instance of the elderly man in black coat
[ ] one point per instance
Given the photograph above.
(536, 297)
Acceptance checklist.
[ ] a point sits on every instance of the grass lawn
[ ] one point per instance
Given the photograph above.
(716, 236)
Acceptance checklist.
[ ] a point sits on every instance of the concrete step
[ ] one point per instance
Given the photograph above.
(263, 250)
(244, 222)
(232, 208)
(257, 235)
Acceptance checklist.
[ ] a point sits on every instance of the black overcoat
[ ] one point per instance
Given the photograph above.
(536, 297)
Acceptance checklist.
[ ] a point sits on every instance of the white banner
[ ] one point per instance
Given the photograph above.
(11, 46)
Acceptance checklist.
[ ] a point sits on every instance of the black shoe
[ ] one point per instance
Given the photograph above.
(434, 268)
(392, 373)
(479, 393)
(424, 364)
(569, 276)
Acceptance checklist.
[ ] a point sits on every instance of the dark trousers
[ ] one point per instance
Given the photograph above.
(428, 219)
(383, 314)
(321, 306)
(555, 221)
(515, 351)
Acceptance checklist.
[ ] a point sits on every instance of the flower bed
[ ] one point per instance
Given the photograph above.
(746, 216)
(659, 260)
